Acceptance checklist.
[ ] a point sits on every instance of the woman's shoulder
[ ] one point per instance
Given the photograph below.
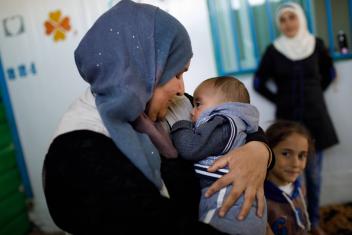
(319, 40)
(270, 51)
(319, 43)
(270, 48)
(79, 140)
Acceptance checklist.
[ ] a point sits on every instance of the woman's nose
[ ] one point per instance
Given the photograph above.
(181, 88)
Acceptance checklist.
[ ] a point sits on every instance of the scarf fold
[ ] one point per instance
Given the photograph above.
(300, 46)
(131, 49)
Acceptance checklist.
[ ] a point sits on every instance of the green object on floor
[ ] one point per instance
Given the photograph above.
(2, 113)
(5, 136)
(13, 209)
(7, 158)
(19, 226)
(9, 184)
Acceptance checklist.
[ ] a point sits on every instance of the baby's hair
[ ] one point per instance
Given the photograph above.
(281, 129)
(231, 89)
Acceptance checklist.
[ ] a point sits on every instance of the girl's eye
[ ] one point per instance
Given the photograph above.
(285, 154)
(197, 104)
(302, 156)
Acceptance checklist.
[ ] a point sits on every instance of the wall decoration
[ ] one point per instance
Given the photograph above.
(57, 25)
(21, 71)
(13, 25)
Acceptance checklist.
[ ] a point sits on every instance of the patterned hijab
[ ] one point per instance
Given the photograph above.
(300, 46)
(131, 49)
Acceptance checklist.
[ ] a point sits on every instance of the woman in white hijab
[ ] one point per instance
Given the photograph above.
(299, 65)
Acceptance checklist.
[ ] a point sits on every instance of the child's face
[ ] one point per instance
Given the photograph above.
(291, 158)
(204, 98)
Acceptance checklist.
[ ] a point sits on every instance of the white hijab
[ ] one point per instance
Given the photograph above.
(300, 46)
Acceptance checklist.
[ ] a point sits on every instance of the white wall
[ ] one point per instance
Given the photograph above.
(337, 169)
(40, 101)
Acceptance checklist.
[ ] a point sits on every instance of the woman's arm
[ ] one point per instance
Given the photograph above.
(326, 66)
(248, 167)
(263, 74)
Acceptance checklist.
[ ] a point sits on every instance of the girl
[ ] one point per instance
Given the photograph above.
(287, 211)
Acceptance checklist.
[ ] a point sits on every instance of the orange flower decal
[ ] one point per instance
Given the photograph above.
(57, 25)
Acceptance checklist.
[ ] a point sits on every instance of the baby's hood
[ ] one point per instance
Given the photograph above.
(248, 113)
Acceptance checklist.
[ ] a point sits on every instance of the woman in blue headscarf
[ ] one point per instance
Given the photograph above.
(111, 168)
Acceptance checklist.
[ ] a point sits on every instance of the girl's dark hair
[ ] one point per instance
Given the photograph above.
(281, 129)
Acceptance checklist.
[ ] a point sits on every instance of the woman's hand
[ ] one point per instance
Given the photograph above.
(248, 165)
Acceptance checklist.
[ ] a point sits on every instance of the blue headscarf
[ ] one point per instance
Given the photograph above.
(131, 49)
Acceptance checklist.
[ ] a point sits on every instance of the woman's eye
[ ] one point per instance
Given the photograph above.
(178, 76)
(292, 17)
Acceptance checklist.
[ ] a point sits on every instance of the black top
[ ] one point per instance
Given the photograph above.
(300, 85)
(92, 188)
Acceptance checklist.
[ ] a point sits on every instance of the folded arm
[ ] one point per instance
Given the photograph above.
(208, 139)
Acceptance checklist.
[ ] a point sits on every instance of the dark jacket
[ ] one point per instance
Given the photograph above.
(287, 215)
(300, 85)
(92, 188)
